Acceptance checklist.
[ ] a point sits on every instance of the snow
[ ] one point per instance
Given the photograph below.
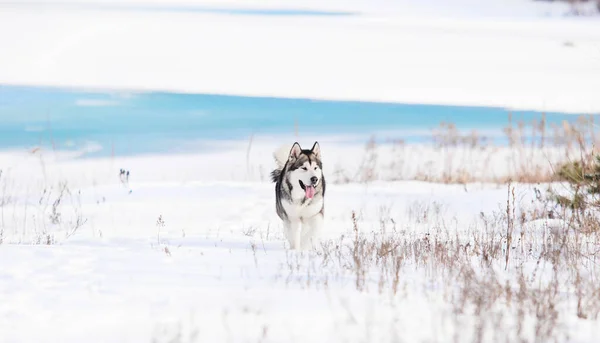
(111, 283)
(252, 161)
(516, 55)
(215, 266)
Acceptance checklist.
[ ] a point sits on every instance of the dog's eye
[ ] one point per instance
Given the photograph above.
(315, 168)
(304, 168)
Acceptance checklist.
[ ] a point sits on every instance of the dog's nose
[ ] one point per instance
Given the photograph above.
(314, 180)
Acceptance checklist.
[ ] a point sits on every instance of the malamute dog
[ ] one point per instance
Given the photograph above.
(299, 193)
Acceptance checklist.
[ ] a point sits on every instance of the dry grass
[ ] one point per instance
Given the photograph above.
(52, 215)
(502, 279)
(527, 153)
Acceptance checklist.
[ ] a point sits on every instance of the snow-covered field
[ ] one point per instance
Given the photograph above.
(516, 54)
(181, 254)
(191, 250)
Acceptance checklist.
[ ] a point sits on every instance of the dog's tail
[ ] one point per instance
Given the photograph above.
(281, 156)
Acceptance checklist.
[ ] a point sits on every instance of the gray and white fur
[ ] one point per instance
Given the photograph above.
(299, 194)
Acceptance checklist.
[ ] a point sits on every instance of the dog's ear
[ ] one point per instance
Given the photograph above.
(295, 151)
(316, 149)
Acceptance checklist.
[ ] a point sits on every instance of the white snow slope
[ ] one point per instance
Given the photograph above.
(517, 54)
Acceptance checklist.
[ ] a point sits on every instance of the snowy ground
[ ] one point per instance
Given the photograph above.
(518, 54)
(252, 161)
(215, 266)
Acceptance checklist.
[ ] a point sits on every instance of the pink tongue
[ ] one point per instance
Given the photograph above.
(310, 192)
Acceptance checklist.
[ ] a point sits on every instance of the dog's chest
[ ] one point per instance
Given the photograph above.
(297, 210)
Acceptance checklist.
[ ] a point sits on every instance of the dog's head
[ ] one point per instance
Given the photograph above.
(304, 168)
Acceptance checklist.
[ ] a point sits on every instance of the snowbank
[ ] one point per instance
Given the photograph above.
(428, 53)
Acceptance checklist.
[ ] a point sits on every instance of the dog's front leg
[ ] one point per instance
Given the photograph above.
(292, 233)
(311, 231)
